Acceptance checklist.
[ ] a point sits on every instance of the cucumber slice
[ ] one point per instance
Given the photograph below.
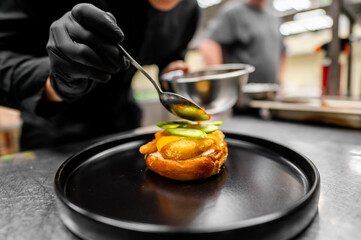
(187, 132)
(215, 123)
(207, 128)
(171, 124)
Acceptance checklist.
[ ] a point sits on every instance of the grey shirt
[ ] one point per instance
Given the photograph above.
(249, 35)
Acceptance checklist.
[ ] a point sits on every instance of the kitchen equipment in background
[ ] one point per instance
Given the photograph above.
(174, 103)
(345, 47)
(261, 91)
(257, 91)
(327, 110)
(216, 88)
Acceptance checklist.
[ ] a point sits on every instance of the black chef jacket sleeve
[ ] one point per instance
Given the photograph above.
(22, 74)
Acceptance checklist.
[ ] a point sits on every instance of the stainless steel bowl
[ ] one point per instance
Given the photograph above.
(216, 88)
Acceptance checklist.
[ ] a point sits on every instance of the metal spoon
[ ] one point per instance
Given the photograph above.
(174, 103)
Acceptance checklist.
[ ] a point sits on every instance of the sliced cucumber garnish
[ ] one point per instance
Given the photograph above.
(172, 124)
(188, 129)
(207, 128)
(187, 132)
(215, 123)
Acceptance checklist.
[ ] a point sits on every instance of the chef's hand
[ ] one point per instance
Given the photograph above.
(176, 65)
(83, 51)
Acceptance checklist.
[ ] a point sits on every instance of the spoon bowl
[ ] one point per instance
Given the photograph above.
(174, 103)
(182, 107)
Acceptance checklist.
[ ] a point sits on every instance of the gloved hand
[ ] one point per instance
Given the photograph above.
(83, 51)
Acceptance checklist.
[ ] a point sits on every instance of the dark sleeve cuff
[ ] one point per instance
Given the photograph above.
(38, 104)
(32, 79)
(48, 109)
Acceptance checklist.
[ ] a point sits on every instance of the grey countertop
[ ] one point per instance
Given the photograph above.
(27, 199)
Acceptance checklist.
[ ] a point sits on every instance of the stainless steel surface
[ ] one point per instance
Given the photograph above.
(171, 101)
(217, 88)
(27, 199)
(346, 113)
(261, 91)
(256, 91)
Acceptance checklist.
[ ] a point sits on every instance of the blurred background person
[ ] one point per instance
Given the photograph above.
(246, 32)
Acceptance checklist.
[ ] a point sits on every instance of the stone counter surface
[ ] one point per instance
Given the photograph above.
(27, 199)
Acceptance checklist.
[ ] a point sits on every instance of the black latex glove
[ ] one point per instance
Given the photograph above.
(83, 51)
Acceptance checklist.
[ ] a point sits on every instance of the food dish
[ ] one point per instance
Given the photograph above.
(185, 151)
(264, 191)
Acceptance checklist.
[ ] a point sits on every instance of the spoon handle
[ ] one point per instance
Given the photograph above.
(141, 69)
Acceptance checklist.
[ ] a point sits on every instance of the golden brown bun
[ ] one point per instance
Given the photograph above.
(185, 170)
(189, 169)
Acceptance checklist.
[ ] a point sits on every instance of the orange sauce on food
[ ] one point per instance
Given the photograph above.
(164, 140)
(202, 111)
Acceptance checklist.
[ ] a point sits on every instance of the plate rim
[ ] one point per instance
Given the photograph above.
(155, 228)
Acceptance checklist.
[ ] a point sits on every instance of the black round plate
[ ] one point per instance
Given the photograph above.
(264, 191)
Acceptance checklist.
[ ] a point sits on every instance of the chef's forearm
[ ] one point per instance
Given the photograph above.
(211, 52)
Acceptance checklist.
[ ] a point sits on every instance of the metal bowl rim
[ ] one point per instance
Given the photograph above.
(244, 69)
